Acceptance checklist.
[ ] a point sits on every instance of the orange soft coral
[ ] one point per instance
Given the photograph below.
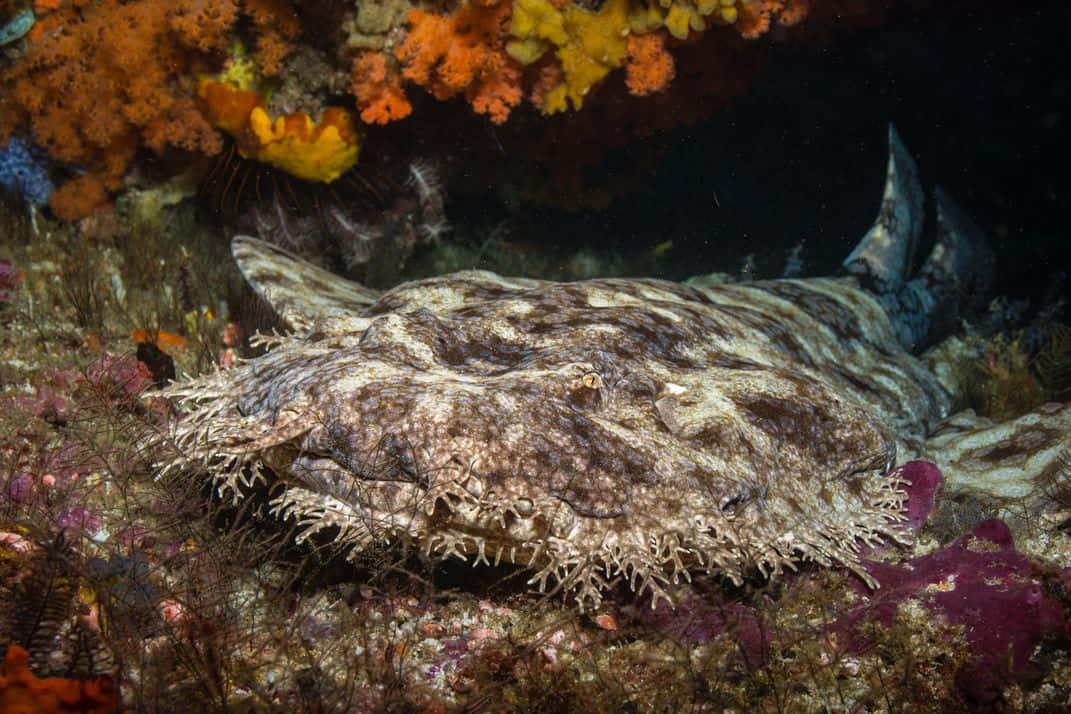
(102, 79)
(497, 93)
(755, 16)
(21, 692)
(376, 83)
(204, 25)
(91, 82)
(793, 12)
(78, 197)
(648, 65)
(207, 24)
(277, 26)
(117, 59)
(464, 52)
(43, 7)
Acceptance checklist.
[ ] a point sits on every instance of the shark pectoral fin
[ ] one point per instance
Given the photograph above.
(303, 295)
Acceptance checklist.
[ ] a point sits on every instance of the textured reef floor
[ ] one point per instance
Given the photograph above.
(127, 126)
(114, 579)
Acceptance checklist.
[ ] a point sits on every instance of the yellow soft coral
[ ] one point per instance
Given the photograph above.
(240, 70)
(538, 25)
(313, 151)
(589, 44)
(681, 17)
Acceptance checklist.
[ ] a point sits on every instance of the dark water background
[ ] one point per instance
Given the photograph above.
(980, 97)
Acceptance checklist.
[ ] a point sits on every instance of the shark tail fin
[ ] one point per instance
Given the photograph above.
(953, 280)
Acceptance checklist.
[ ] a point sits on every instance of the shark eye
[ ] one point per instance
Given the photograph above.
(587, 391)
(591, 380)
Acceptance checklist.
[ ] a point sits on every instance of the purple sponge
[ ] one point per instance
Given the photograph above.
(1006, 603)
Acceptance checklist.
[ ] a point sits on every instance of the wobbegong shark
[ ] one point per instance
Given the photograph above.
(593, 431)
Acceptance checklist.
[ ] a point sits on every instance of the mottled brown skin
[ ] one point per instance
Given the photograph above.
(589, 430)
(1018, 461)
